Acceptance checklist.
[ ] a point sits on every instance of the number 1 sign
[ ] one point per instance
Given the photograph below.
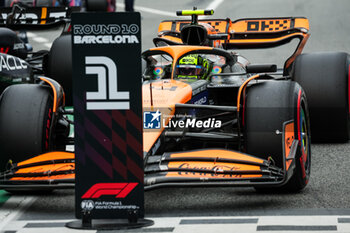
(108, 115)
(105, 67)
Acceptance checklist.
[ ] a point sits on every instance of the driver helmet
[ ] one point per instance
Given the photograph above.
(193, 66)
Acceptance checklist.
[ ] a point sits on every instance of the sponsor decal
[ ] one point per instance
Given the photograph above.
(189, 122)
(201, 101)
(268, 25)
(215, 168)
(216, 70)
(10, 63)
(200, 98)
(151, 120)
(54, 15)
(18, 46)
(157, 120)
(198, 90)
(4, 50)
(105, 34)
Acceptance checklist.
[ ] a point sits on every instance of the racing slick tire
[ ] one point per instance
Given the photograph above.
(269, 106)
(325, 78)
(59, 65)
(25, 123)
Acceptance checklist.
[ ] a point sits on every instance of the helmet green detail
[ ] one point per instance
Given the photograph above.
(193, 66)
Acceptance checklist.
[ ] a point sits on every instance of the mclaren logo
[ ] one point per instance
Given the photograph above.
(107, 96)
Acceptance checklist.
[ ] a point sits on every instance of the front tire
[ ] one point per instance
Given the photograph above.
(26, 119)
(269, 107)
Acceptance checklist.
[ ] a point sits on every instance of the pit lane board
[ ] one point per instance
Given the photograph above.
(107, 114)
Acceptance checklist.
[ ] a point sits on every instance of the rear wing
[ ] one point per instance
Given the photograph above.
(243, 33)
(36, 18)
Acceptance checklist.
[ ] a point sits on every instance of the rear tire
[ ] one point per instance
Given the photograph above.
(269, 106)
(325, 77)
(59, 65)
(25, 122)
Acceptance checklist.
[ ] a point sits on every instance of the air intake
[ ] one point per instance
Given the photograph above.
(194, 35)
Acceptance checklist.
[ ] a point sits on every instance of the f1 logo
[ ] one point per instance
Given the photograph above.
(121, 190)
(107, 85)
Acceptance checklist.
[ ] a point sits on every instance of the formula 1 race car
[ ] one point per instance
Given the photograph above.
(210, 117)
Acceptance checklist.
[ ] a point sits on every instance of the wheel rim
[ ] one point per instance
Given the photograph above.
(304, 132)
(305, 140)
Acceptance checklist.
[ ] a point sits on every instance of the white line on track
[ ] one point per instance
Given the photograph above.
(248, 224)
(8, 213)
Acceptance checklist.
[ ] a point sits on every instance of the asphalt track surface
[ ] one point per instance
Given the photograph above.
(328, 192)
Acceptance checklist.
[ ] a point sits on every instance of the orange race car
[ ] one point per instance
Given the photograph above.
(210, 117)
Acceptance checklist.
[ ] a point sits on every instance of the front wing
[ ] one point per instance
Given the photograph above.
(214, 167)
(206, 167)
(47, 171)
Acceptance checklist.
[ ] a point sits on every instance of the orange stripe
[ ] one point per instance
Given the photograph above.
(48, 168)
(58, 177)
(43, 15)
(217, 153)
(300, 48)
(48, 157)
(199, 174)
(54, 93)
(288, 140)
(243, 86)
(221, 166)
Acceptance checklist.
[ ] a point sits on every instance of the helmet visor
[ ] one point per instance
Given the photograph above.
(188, 70)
